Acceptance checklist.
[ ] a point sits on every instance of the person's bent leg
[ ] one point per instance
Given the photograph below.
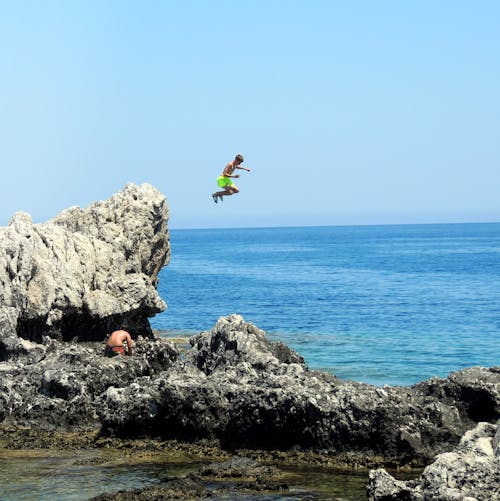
(230, 190)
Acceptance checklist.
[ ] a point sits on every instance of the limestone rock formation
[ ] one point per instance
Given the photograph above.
(66, 283)
(238, 387)
(83, 272)
(470, 472)
(55, 386)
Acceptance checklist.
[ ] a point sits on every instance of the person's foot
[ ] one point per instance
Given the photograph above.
(214, 196)
(221, 198)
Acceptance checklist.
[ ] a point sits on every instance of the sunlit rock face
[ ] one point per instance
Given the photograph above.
(471, 471)
(84, 272)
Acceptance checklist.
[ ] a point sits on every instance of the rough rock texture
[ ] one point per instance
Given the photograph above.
(471, 387)
(238, 387)
(176, 488)
(84, 272)
(56, 385)
(66, 283)
(470, 472)
(226, 480)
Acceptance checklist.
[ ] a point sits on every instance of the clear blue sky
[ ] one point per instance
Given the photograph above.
(356, 112)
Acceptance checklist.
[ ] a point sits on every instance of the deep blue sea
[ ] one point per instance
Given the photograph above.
(378, 304)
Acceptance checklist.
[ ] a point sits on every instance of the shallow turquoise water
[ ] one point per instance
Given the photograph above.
(379, 304)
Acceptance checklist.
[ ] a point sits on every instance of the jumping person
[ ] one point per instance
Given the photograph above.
(114, 344)
(225, 181)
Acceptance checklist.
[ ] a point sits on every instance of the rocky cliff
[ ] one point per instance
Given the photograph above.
(66, 283)
(84, 272)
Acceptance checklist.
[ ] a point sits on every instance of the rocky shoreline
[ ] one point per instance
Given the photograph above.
(211, 470)
(68, 282)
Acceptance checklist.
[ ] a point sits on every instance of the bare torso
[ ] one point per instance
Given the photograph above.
(229, 169)
(117, 338)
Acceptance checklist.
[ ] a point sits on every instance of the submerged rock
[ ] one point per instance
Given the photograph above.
(228, 479)
(175, 488)
(84, 272)
(470, 472)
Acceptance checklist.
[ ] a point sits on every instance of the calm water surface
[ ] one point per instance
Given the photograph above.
(378, 304)
(62, 476)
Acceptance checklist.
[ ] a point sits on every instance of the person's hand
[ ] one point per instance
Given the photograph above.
(237, 175)
(248, 170)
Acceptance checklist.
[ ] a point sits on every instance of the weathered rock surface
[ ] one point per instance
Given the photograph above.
(84, 272)
(57, 384)
(238, 387)
(226, 479)
(470, 472)
(66, 283)
(176, 488)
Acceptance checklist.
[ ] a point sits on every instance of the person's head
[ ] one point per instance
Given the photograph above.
(238, 159)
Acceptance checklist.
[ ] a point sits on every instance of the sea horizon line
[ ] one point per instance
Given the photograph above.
(364, 225)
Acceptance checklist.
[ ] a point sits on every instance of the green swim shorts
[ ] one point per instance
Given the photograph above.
(224, 181)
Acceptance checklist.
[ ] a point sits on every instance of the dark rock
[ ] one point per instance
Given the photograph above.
(60, 390)
(233, 342)
(474, 390)
(176, 488)
(233, 387)
(227, 478)
(470, 472)
(238, 388)
(244, 474)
